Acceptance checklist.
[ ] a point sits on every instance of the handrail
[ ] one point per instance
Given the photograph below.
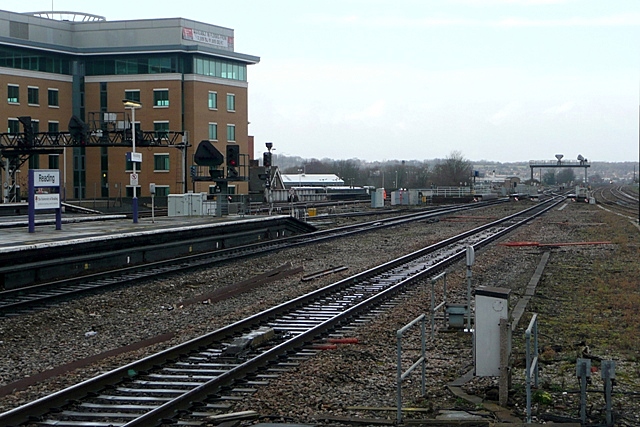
(421, 361)
(435, 308)
(532, 362)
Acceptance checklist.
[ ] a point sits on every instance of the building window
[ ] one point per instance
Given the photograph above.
(161, 130)
(213, 100)
(160, 163)
(13, 126)
(162, 190)
(231, 102)
(231, 133)
(54, 127)
(33, 95)
(34, 162)
(161, 97)
(53, 98)
(54, 161)
(35, 126)
(220, 68)
(213, 131)
(28, 59)
(13, 94)
(132, 95)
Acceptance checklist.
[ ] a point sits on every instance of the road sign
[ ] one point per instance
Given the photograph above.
(133, 179)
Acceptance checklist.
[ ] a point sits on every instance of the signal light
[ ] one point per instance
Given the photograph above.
(233, 155)
(28, 130)
(78, 130)
(266, 160)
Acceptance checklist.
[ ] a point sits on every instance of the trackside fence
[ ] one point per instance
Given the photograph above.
(532, 360)
(422, 361)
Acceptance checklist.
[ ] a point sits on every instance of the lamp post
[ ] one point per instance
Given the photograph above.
(133, 105)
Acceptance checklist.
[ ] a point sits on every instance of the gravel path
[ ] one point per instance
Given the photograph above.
(334, 382)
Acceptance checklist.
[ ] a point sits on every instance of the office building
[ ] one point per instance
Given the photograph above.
(185, 74)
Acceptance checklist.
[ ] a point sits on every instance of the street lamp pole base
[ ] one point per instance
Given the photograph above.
(134, 203)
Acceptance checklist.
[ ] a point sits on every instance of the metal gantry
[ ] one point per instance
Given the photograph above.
(17, 147)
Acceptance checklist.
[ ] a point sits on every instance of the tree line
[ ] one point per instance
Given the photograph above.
(454, 170)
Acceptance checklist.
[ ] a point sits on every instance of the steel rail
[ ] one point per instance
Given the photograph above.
(28, 298)
(164, 411)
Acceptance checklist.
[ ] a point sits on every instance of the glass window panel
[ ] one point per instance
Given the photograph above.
(213, 100)
(231, 132)
(53, 98)
(162, 191)
(161, 98)
(13, 126)
(160, 162)
(132, 95)
(13, 94)
(213, 131)
(231, 102)
(33, 95)
(54, 161)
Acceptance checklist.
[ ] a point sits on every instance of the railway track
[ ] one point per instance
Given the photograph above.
(619, 199)
(189, 383)
(36, 297)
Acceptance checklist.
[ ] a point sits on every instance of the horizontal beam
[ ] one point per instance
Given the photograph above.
(19, 143)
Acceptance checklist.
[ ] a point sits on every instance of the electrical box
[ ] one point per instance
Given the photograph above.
(176, 205)
(377, 198)
(492, 304)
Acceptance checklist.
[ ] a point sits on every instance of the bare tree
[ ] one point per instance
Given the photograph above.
(455, 169)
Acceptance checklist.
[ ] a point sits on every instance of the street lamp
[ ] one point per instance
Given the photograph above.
(133, 106)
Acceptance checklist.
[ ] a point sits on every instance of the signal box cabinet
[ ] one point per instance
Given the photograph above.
(492, 304)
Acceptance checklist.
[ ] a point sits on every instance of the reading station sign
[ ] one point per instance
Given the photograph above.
(44, 193)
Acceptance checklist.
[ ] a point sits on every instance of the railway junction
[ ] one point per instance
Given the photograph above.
(353, 381)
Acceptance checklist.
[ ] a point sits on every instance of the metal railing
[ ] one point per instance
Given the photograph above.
(435, 308)
(446, 191)
(421, 361)
(532, 360)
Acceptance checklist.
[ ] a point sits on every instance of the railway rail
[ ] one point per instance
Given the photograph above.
(186, 384)
(37, 297)
(619, 198)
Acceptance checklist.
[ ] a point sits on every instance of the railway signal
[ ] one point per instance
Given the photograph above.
(28, 130)
(233, 160)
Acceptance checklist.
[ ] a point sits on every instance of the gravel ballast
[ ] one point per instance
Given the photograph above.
(359, 375)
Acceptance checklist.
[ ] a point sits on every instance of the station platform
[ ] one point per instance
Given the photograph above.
(86, 244)
(77, 228)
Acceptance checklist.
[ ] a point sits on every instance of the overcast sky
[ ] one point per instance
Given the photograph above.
(503, 80)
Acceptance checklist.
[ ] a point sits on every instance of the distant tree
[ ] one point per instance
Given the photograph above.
(418, 176)
(455, 169)
(596, 179)
(348, 171)
(549, 178)
(566, 176)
